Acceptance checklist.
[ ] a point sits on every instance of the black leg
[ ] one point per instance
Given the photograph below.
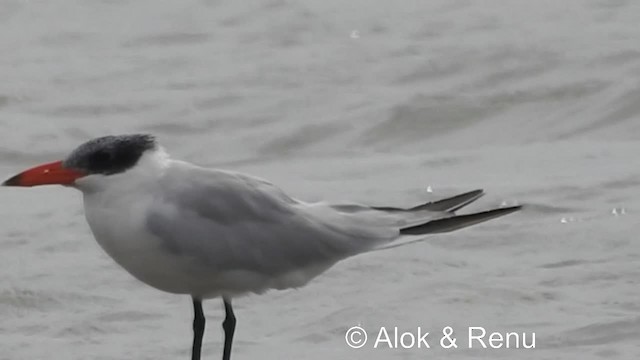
(198, 329)
(229, 326)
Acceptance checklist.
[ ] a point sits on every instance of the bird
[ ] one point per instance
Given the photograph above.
(213, 233)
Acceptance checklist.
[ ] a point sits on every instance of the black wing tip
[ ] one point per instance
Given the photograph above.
(506, 210)
(475, 192)
(456, 222)
(452, 203)
(449, 204)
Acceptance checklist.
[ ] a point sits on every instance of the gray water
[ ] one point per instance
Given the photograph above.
(537, 102)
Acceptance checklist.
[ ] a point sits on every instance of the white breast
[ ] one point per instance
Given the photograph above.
(117, 224)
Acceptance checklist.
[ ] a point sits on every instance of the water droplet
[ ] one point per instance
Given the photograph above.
(618, 211)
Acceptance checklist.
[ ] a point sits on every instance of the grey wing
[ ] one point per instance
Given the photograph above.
(232, 221)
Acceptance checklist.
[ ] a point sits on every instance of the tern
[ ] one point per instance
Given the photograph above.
(210, 233)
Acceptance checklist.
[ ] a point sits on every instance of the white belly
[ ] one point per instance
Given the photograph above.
(120, 231)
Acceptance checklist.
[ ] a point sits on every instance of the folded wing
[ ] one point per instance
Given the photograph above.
(230, 221)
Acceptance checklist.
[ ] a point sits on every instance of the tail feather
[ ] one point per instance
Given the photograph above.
(450, 204)
(456, 222)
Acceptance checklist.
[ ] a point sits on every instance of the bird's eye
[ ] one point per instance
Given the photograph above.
(100, 157)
